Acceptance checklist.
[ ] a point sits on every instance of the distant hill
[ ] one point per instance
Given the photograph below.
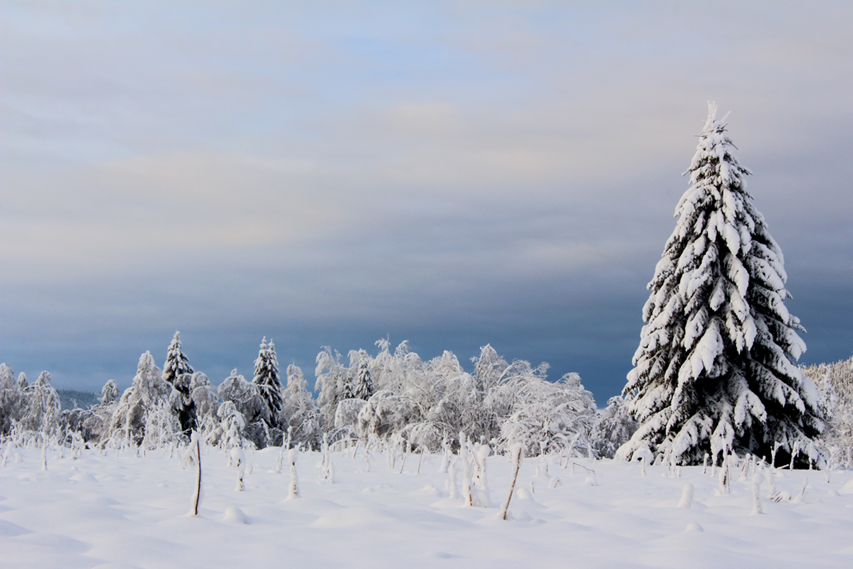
(73, 399)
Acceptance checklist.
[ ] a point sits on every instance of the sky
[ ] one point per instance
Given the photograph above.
(453, 174)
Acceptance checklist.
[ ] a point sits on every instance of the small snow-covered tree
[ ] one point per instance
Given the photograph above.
(547, 414)
(42, 405)
(177, 363)
(97, 422)
(299, 410)
(266, 379)
(386, 415)
(149, 391)
(835, 388)
(714, 371)
(488, 405)
(245, 396)
(363, 386)
(161, 426)
(231, 424)
(7, 377)
(206, 403)
(331, 381)
(247, 399)
(178, 372)
(613, 427)
(204, 396)
(11, 400)
(109, 393)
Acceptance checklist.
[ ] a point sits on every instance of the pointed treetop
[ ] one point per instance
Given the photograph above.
(146, 362)
(266, 378)
(177, 363)
(712, 116)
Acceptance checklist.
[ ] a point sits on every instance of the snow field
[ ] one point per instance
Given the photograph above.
(124, 511)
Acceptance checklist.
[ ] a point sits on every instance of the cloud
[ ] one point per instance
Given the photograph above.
(462, 173)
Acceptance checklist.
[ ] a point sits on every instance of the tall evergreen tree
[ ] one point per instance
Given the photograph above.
(714, 371)
(266, 378)
(178, 372)
(363, 387)
(177, 363)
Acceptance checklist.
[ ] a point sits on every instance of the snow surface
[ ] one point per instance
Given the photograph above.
(125, 511)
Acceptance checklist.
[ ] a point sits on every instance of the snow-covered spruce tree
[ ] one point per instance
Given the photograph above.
(266, 378)
(714, 370)
(363, 386)
(178, 372)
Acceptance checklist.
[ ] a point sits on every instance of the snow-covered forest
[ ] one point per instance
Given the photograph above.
(388, 397)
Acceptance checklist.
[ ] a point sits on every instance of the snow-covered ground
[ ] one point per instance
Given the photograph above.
(128, 511)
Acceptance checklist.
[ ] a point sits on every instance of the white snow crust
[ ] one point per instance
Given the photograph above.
(131, 511)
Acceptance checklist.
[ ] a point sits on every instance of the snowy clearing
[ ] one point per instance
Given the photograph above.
(128, 511)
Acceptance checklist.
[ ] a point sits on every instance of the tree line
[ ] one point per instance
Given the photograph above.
(391, 394)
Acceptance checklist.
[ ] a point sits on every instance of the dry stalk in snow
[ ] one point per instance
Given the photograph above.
(517, 453)
(194, 441)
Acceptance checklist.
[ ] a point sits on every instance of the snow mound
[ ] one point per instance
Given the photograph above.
(234, 516)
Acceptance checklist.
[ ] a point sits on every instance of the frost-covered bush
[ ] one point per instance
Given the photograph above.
(96, 422)
(834, 384)
(78, 421)
(613, 427)
(232, 424)
(204, 396)
(149, 392)
(245, 397)
(12, 400)
(332, 383)
(346, 415)
(162, 425)
(42, 405)
(386, 414)
(299, 411)
(426, 403)
(547, 415)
